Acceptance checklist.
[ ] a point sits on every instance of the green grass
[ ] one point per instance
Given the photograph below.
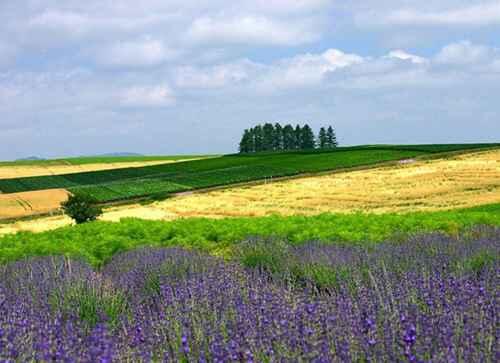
(97, 242)
(203, 173)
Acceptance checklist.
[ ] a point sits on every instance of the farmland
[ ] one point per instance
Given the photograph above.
(456, 182)
(161, 180)
(31, 168)
(205, 173)
(317, 268)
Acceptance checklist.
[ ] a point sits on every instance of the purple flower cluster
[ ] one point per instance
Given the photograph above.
(175, 305)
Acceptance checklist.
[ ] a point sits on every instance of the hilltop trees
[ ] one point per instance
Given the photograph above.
(331, 138)
(269, 137)
(322, 140)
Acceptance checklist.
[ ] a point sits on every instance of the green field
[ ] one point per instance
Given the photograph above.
(100, 160)
(160, 180)
(97, 242)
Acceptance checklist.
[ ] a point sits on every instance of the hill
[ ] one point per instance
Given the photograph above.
(160, 180)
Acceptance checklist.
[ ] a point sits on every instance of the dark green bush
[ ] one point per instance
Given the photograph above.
(81, 208)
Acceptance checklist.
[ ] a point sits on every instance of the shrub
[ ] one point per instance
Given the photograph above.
(81, 208)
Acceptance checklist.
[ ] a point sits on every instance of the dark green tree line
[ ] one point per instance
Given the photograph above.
(269, 137)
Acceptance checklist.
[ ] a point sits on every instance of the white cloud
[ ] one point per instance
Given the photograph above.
(214, 76)
(57, 26)
(147, 96)
(61, 21)
(401, 54)
(143, 53)
(464, 52)
(250, 29)
(307, 69)
(475, 15)
(290, 6)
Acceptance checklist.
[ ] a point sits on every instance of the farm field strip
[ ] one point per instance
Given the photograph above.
(10, 171)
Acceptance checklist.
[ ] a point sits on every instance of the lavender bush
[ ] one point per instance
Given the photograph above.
(433, 299)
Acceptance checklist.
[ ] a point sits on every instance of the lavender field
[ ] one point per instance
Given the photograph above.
(430, 299)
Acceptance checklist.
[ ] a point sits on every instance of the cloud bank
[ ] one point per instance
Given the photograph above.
(185, 76)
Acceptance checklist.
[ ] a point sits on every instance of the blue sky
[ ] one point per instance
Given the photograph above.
(170, 77)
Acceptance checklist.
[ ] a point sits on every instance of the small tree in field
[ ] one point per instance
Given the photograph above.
(81, 208)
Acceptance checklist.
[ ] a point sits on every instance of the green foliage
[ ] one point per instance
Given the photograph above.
(323, 277)
(98, 241)
(129, 189)
(264, 255)
(331, 138)
(81, 208)
(307, 138)
(91, 302)
(322, 140)
(480, 261)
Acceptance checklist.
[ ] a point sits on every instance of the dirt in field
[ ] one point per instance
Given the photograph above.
(16, 205)
(20, 171)
(463, 181)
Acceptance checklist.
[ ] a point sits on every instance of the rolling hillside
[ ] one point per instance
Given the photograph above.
(160, 180)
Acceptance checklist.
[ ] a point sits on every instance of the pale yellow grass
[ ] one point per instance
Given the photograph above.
(35, 225)
(21, 171)
(463, 181)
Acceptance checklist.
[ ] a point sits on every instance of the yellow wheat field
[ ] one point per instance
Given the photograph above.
(24, 204)
(463, 181)
(21, 171)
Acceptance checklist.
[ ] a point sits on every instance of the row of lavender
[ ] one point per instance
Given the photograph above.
(409, 302)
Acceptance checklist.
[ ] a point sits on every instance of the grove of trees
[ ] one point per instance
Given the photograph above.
(269, 137)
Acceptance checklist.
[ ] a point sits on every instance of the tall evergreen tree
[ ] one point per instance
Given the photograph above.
(288, 137)
(278, 137)
(322, 139)
(252, 139)
(307, 138)
(297, 140)
(331, 138)
(268, 137)
(245, 143)
(258, 138)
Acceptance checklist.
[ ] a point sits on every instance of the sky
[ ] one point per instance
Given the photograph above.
(185, 77)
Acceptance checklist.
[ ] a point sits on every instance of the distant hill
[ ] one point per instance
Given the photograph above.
(117, 154)
(30, 158)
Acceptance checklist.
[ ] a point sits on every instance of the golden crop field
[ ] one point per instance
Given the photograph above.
(459, 182)
(21, 171)
(24, 204)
